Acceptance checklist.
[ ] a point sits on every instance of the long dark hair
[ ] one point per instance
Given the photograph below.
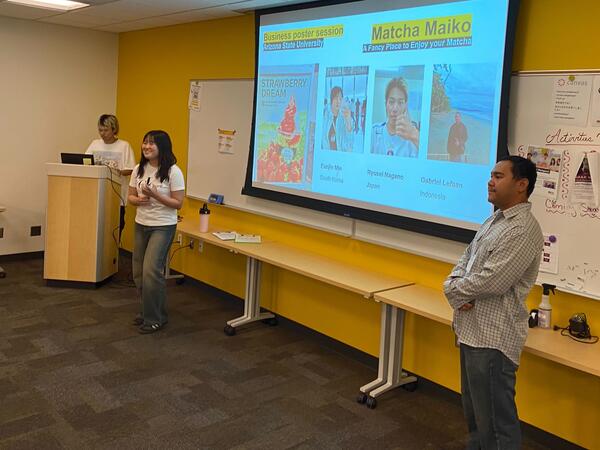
(166, 158)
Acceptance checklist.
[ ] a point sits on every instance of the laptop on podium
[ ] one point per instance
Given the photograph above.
(77, 158)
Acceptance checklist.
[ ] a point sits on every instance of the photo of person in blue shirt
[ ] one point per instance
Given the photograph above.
(398, 135)
(337, 123)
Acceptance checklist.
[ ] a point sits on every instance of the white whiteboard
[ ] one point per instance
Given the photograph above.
(227, 105)
(577, 227)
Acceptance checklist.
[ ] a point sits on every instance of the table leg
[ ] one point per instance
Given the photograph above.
(169, 276)
(390, 374)
(384, 345)
(252, 299)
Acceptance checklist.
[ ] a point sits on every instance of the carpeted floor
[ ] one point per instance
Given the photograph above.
(75, 374)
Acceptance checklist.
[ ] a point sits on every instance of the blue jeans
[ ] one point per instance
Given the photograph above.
(488, 397)
(150, 252)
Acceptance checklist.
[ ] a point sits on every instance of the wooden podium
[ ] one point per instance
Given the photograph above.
(82, 223)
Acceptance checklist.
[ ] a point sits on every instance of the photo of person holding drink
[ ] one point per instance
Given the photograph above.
(398, 135)
(337, 123)
(344, 88)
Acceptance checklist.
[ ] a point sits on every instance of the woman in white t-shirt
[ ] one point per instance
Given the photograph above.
(117, 154)
(156, 187)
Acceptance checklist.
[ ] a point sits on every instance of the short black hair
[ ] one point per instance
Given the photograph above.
(523, 168)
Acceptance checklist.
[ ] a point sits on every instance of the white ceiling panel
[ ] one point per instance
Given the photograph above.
(78, 21)
(184, 5)
(24, 12)
(135, 25)
(221, 11)
(97, 2)
(127, 15)
(258, 4)
(122, 10)
(74, 18)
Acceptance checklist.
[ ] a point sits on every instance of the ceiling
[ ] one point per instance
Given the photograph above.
(128, 15)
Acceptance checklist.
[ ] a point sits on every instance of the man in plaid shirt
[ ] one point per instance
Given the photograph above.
(487, 290)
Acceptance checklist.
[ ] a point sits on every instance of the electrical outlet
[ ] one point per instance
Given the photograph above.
(200, 246)
(179, 238)
(36, 230)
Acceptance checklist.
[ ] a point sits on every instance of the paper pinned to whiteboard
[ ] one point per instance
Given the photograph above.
(550, 252)
(195, 98)
(585, 180)
(548, 163)
(571, 99)
(226, 140)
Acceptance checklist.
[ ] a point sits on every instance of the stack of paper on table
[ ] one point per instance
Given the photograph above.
(225, 235)
(248, 238)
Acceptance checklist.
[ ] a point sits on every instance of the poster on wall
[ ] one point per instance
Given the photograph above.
(585, 179)
(548, 162)
(194, 100)
(571, 100)
(549, 262)
(226, 140)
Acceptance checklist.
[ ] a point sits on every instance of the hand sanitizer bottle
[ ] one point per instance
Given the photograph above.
(545, 308)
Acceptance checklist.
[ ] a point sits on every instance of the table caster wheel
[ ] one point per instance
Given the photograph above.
(180, 281)
(361, 398)
(410, 387)
(229, 330)
(371, 402)
(271, 321)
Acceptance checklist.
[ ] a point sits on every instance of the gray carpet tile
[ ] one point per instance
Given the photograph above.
(74, 373)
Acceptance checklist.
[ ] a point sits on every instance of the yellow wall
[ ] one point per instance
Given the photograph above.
(155, 67)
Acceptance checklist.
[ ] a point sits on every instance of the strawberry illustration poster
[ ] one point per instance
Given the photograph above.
(285, 123)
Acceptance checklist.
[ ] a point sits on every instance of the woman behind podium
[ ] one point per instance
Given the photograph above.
(108, 129)
(156, 188)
